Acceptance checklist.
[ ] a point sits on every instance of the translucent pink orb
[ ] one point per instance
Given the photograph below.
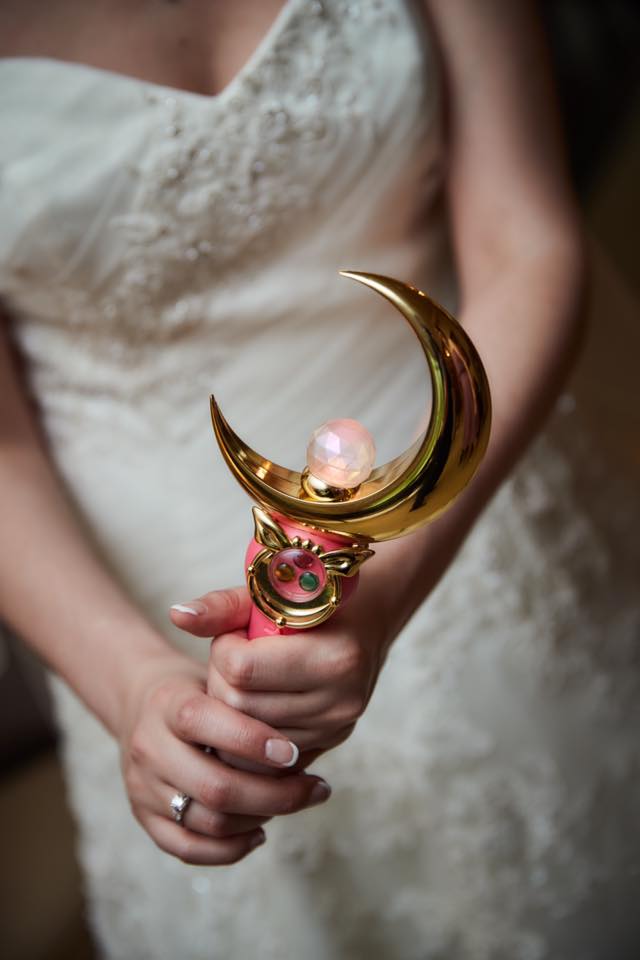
(341, 453)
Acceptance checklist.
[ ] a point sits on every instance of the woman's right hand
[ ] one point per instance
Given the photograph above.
(168, 719)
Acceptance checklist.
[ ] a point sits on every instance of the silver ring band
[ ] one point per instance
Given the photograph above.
(179, 804)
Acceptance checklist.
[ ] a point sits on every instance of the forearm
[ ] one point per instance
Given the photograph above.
(53, 590)
(526, 326)
(519, 254)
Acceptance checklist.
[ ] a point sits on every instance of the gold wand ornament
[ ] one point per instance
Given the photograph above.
(313, 528)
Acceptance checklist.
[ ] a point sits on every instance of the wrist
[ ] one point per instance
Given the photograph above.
(132, 650)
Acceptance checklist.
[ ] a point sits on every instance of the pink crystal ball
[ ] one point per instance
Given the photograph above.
(341, 453)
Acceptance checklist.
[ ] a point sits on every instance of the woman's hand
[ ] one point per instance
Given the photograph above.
(312, 686)
(168, 719)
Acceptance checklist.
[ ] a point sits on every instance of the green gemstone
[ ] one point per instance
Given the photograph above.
(308, 581)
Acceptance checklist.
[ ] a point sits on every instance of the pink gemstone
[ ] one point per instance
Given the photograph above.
(341, 453)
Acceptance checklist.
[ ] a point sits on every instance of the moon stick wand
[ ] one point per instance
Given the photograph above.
(313, 529)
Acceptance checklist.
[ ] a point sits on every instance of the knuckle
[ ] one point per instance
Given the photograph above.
(248, 740)
(230, 602)
(234, 698)
(163, 697)
(353, 708)
(187, 717)
(217, 825)
(138, 748)
(352, 659)
(160, 695)
(238, 668)
(133, 783)
(216, 684)
(346, 661)
(215, 795)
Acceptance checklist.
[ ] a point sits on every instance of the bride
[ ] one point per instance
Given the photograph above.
(180, 183)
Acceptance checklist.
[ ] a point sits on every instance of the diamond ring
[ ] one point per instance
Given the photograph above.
(179, 804)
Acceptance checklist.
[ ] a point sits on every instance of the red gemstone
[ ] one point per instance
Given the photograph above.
(304, 560)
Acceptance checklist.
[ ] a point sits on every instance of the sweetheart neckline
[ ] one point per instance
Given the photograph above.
(250, 67)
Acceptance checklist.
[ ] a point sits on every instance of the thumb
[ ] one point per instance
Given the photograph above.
(219, 611)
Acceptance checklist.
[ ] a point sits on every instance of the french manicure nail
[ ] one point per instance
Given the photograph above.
(320, 792)
(194, 607)
(283, 752)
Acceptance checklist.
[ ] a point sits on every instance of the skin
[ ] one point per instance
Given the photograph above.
(521, 287)
(196, 45)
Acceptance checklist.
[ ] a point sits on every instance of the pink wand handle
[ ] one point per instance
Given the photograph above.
(262, 626)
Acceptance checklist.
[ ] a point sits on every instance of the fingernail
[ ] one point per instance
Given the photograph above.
(194, 607)
(257, 839)
(283, 752)
(320, 792)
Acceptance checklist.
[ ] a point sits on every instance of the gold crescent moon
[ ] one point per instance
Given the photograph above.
(415, 487)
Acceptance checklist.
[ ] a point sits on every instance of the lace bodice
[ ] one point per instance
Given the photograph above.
(187, 193)
(156, 246)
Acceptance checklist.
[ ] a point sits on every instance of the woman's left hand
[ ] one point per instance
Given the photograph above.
(313, 685)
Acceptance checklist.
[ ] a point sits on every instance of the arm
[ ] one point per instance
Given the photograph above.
(56, 595)
(518, 246)
(53, 590)
(517, 242)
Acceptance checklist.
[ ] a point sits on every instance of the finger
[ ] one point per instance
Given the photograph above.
(315, 738)
(204, 720)
(313, 743)
(193, 848)
(209, 823)
(216, 612)
(277, 709)
(296, 662)
(225, 790)
(220, 825)
(319, 739)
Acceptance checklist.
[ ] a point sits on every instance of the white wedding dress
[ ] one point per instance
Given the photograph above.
(158, 245)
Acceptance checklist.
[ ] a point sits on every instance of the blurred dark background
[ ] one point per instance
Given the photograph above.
(594, 48)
